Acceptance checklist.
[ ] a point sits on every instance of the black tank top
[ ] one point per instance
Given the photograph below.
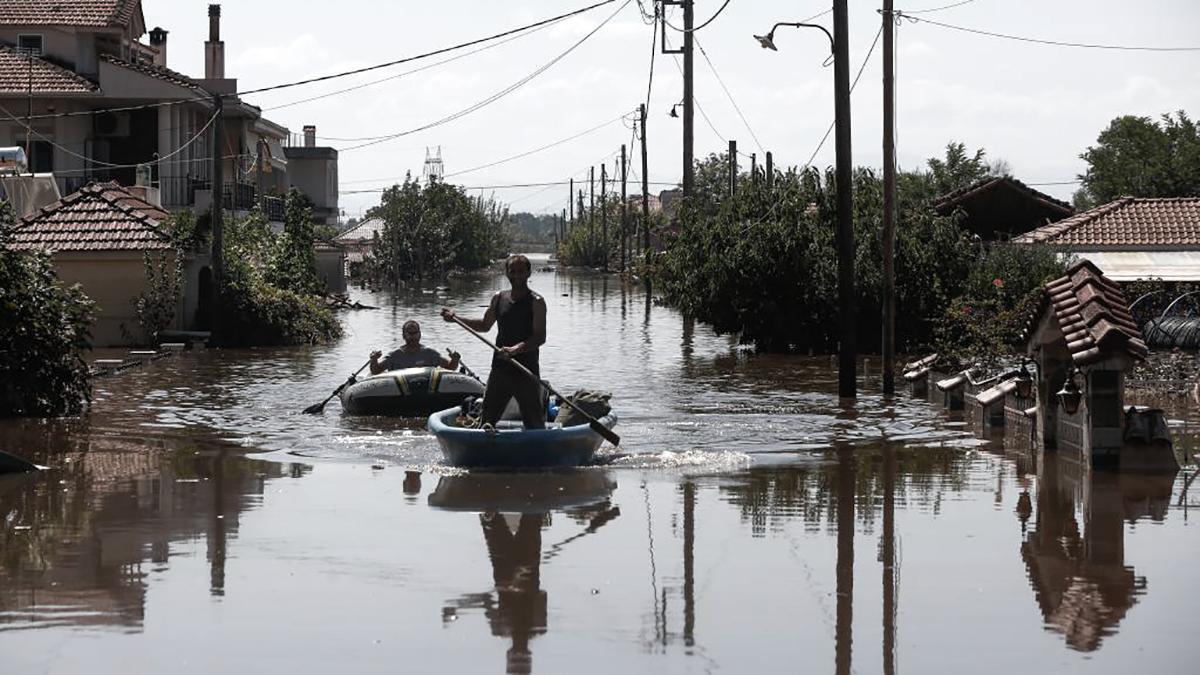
(514, 321)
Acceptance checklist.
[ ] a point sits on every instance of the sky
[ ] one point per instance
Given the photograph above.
(1035, 106)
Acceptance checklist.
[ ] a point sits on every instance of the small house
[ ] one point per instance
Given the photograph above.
(98, 237)
(1000, 207)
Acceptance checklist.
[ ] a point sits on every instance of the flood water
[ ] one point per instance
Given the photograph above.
(196, 522)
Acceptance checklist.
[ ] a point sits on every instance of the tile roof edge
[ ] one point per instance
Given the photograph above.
(95, 86)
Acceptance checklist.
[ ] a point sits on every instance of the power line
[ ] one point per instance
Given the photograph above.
(1056, 43)
(356, 71)
(415, 70)
(496, 96)
(694, 99)
(938, 9)
(503, 186)
(696, 28)
(109, 165)
(728, 95)
(536, 150)
(854, 84)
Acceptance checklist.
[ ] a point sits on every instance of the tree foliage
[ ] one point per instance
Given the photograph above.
(254, 310)
(43, 334)
(763, 263)
(293, 263)
(431, 230)
(1139, 157)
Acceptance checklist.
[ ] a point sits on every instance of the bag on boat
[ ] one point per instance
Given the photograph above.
(594, 403)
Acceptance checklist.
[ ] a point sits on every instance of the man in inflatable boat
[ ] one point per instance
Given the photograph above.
(521, 316)
(413, 354)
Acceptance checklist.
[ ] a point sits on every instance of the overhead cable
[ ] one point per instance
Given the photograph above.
(728, 95)
(1056, 43)
(496, 96)
(356, 71)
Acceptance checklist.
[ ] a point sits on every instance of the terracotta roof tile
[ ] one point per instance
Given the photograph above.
(17, 76)
(99, 217)
(1092, 314)
(1129, 221)
(157, 72)
(87, 13)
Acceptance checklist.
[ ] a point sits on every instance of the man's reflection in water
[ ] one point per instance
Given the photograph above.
(520, 612)
(1080, 579)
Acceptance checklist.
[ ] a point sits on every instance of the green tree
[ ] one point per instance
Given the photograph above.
(1138, 157)
(43, 334)
(293, 265)
(959, 168)
(429, 231)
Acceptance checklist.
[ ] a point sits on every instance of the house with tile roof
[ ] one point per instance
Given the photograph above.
(98, 237)
(1000, 207)
(104, 102)
(1131, 238)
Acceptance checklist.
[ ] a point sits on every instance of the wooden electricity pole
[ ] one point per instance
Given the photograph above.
(645, 203)
(217, 218)
(889, 204)
(733, 168)
(603, 217)
(847, 354)
(624, 207)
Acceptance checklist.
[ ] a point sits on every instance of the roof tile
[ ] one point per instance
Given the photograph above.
(1092, 314)
(18, 75)
(83, 13)
(99, 217)
(1129, 221)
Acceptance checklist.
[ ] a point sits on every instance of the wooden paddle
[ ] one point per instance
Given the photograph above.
(10, 463)
(595, 424)
(316, 408)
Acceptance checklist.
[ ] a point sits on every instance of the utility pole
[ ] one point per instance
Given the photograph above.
(29, 116)
(847, 354)
(563, 223)
(591, 203)
(571, 200)
(604, 216)
(889, 204)
(217, 216)
(624, 207)
(645, 203)
(770, 171)
(733, 168)
(754, 168)
(689, 174)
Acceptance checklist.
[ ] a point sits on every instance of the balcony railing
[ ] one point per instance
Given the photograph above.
(180, 192)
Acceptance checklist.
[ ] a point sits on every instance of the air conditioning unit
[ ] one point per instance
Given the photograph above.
(111, 124)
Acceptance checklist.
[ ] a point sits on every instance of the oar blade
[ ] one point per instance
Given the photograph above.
(608, 434)
(315, 409)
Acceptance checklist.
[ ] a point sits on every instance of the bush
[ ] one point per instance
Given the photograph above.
(255, 312)
(43, 334)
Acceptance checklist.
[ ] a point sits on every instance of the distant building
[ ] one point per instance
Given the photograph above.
(1002, 207)
(104, 102)
(359, 243)
(1131, 238)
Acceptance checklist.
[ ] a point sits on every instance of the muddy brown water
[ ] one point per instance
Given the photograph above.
(195, 521)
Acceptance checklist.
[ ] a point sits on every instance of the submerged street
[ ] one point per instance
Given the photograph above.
(748, 523)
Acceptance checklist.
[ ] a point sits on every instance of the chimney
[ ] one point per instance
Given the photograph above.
(214, 49)
(310, 135)
(158, 40)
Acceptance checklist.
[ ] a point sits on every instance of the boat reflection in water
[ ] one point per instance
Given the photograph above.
(513, 510)
(1080, 579)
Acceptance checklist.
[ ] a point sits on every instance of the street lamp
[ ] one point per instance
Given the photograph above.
(847, 354)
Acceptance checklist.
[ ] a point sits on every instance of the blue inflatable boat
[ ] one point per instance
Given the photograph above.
(511, 445)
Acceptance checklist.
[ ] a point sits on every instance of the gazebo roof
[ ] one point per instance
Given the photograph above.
(1092, 314)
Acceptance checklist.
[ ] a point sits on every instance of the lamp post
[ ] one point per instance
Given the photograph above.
(847, 356)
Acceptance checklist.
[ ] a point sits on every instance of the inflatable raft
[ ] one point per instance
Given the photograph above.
(411, 392)
(511, 445)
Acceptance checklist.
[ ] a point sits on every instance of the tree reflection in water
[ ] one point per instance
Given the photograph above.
(513, 511)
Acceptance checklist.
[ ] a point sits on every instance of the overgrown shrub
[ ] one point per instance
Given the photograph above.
(433, 229)
(43, 333)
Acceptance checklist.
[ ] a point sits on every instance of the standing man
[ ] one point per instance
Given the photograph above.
(521, 315)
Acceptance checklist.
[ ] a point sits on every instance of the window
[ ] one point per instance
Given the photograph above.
(30, 44)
